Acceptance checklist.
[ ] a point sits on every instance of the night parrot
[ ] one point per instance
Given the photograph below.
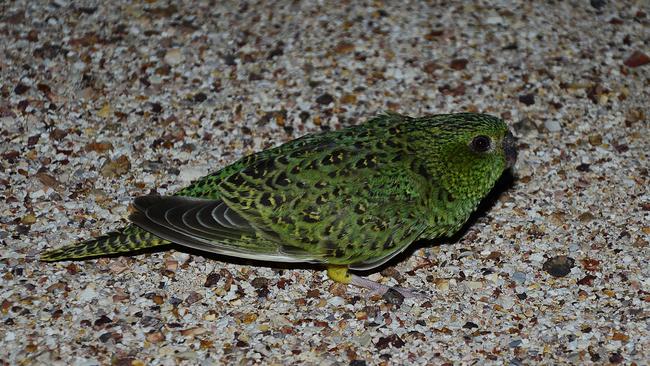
(348, 199)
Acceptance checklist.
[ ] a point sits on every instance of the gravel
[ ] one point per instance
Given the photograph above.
(100, 103)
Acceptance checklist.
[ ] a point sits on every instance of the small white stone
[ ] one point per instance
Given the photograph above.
(7, 121)
(79, 65)
(174, 57)
(507, 302)
(494, 20)
(336, 301)
(79, 361)
(37, 194)
(10, 336)
(553, 126)
(188, 174)
(88, 293)
(492, 277)
(536, 257)
(149, 178)
(180, 256)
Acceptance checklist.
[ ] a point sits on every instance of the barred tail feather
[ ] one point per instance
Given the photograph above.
(129, 239)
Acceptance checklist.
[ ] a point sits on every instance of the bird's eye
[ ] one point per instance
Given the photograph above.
(481, 143)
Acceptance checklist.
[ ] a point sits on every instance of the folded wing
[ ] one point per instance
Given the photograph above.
(209, 225)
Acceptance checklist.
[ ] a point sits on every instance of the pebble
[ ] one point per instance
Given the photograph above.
(191, 173)
(393, 297)
(325, 99)
(515, 343)
(637, 59)
(519, 277)
(88, 294)
(493, 20)
(559, 266)
(174, 57)
(552, 125)
(193, 87)
(336, 301)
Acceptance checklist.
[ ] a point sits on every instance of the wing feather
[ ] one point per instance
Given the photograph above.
(175, 218)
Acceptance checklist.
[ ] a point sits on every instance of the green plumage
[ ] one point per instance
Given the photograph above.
(353, 197)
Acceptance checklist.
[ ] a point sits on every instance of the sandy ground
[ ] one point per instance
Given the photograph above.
(101, 103)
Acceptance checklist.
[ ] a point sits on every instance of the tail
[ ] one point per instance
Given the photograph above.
(130, 239)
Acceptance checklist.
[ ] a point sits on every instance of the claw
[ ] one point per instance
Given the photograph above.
(381, 289)
(340, 274)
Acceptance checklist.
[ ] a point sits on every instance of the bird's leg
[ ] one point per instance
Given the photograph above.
(340, 274)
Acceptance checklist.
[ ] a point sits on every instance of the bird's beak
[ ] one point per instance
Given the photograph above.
(509, 149)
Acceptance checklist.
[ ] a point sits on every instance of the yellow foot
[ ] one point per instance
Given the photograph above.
(339, 274)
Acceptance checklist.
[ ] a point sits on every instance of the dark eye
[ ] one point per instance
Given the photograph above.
(481, 144)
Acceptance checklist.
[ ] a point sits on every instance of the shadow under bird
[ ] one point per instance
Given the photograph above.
(348, 199)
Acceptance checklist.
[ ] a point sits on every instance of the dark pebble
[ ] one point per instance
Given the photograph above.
(263, 292)
(21, 88)
(527, 99)
(278, 51)
(22, 229)
(212, 280)
(103, 320)
(459, 64)
(393, 339)
(193, 297)
(23, 104)
(595, 357)
(199, 97)
(150, 322)
(229, 60)
(470, 325)
(314, 293)
(105, 337)
(33, 140)
(358, 363)
(260, 282)
(583, 168)
(516, 361)
(149, 295)
(393, 297)
(156, 107)
(622, 148)
(637, 59)
(559, 266)
(58, 134)
(253, 76)
(325, 99)
(586, 280)
(127, 361)
(241, 344)
(616, 358)
(304, 116)
(597, 4)
(11, 155)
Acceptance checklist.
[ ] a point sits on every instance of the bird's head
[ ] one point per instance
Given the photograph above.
(467, 152)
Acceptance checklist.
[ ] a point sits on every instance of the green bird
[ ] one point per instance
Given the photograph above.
(348, 199)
